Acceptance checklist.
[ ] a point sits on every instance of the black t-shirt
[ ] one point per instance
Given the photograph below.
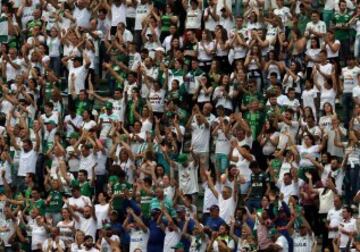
(258, 185)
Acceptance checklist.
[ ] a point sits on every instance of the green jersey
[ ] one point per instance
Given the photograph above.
(118, 190)
(56, 202)
(248, 97)
(255, 119)
(145, 203)
(83, 105)
(39, 204)
(85, 188)
(276, 165)
(341, 19)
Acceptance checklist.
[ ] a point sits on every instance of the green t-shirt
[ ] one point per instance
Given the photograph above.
(302, 22)
(118, 189)
(165, 23)
(129, 110)
(255, 119)
(27, 193)
(39, 204)
(83, 105)
(85, 188)
(276, 165)
(56, 202)
(248, 97)
(145, 203)
(339, 19)
(272, 111)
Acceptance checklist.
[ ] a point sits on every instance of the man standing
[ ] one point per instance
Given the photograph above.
(347, 228)
(342, 31)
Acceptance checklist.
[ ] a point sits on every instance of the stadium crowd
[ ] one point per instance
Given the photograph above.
(179, 125)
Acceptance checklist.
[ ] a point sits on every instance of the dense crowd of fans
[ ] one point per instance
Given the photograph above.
(150, 126)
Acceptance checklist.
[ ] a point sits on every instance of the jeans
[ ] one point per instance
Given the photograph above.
(347, 108)
(357, 46)
(328, 16)
(55, 64)
(352, 185)
(345, 52)
(253, 204)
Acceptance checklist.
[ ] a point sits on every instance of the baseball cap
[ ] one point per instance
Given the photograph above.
(272, 232)
(180, 209)
(108, 105)
(182, 158)
(160, 49)
(179, 245)
(107, 226)
(51, 122)
(214, 207)
(74, 135)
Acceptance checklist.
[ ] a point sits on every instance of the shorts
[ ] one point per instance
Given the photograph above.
(222, 162)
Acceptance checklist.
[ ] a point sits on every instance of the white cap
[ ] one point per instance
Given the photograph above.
(160, 49)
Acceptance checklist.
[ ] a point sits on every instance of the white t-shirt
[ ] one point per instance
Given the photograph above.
(211, 23)
(82, 17)
(319, 78)
(77, 121)
(327, 95)
(27, 163)
(349, 76)
(302, 243)
(88, 125)
(284, 13)
(52, 244)
(54, 46)
(80, 202)
(171, 239)
(88, 226)
(138, 239)
(200, 137)
(335, 218)
(105, 246)
(349, 226)
(80, 77)
(193, 18)
(119, 108)
(303, 150)
(140, 14)
(5, 166)
(222, 144)
(326, 200)
(118, 14)
(157, 100)
(330, 53)
(188, 178)
(319, 27)
(209, 197)
(86, 163)
(227, 208)
(308, 97)
(38, 236)
(289, 190)
(283, 243)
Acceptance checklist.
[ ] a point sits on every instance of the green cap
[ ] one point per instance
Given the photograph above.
(357, 238)
(108, 105)
(107, 226)
(51, 122)
(113, 179)
(74, 135)
(179, 245)
(182, 158)
(272, 232)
